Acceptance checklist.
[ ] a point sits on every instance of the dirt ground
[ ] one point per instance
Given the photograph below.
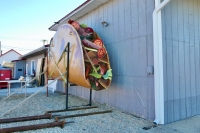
(116, 122)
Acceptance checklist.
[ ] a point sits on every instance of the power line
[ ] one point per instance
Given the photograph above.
(4, 46)
(15, 38)
(16, 49)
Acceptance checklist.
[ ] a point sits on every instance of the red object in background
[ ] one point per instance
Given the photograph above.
(5, 75)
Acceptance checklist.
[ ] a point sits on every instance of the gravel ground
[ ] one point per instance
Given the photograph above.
(115, 122)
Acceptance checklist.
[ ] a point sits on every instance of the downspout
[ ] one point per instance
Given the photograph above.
(158, 62)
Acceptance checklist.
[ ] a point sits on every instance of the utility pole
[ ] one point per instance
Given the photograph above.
(43, 40)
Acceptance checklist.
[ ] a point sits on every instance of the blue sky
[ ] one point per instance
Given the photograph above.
(24, 23)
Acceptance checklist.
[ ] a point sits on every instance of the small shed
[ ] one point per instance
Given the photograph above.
(34, 62)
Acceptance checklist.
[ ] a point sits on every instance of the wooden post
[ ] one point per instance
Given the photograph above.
(47, 93)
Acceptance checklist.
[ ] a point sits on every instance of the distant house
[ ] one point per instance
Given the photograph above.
(154, 52)
(31, 63)
(9, 56)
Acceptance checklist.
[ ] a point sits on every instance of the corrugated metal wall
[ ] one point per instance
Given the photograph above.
(129, 42)
(19, 69)
(181, 26)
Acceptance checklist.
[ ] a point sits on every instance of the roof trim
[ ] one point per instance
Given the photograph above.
(18, 60)
(34, 52)
(69, 14)
(78, 12)
(10, 51)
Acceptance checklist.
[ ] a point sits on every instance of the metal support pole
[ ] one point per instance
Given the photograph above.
(68, 50)
(90, 103)
(33, 127)
(72, 109)
(26, 118)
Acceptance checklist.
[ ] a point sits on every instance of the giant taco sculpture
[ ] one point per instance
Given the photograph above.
(89, 64)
